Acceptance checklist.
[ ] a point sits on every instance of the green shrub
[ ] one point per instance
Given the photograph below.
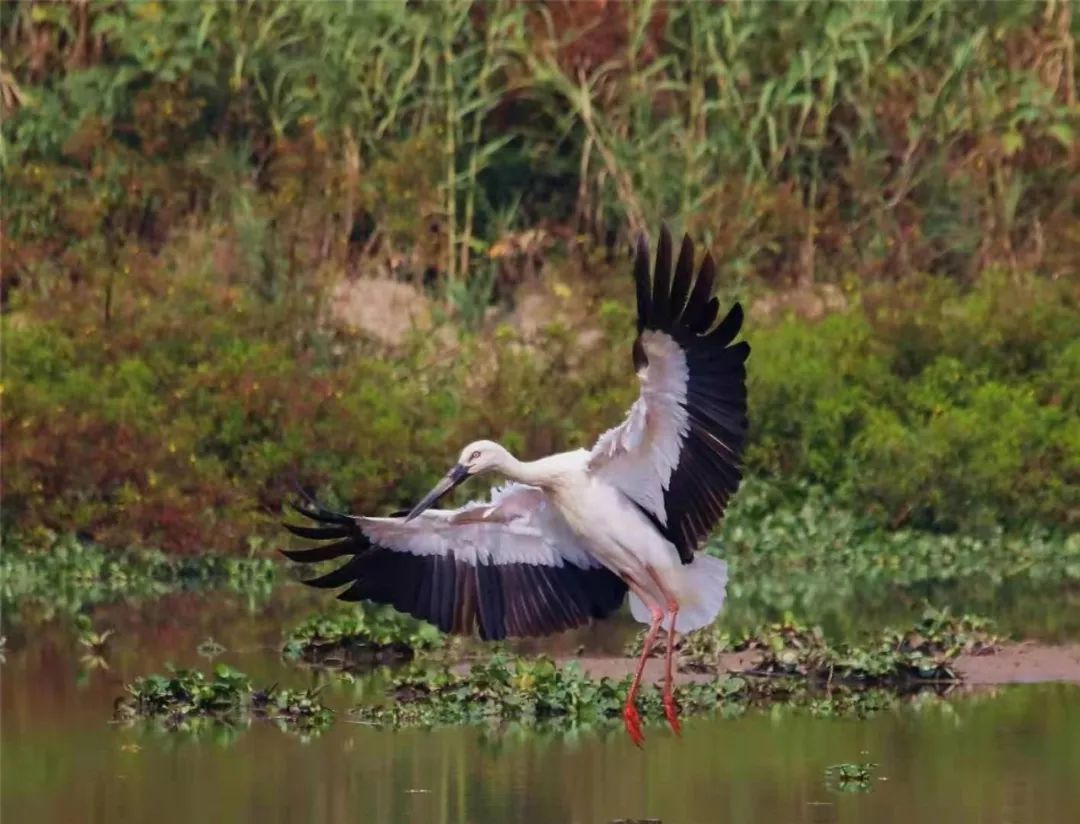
(934, 406)
(184, 423)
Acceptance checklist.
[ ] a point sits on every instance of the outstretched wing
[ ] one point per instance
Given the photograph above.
(508, 567)
(678, 453)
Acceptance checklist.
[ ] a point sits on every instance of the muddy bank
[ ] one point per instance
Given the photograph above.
(1011, 663)
(1022, 663)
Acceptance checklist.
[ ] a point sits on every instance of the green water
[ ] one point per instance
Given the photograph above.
(1010, 755)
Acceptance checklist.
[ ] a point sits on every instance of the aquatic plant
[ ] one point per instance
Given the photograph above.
(61, 575)
(500, 689)
(897, 657)
(186, 700)
(95, 644)
(362, 635)
(793, 548)
(850, 778)
(538, 693)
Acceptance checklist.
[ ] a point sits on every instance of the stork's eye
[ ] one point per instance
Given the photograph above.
(474, 455)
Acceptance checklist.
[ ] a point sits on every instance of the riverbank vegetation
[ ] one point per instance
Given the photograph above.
(63, 576)
(202, 216)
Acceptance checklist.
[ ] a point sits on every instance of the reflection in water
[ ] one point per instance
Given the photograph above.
(1012, 755)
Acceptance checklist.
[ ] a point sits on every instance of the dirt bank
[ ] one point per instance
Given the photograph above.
(1025, 663)
(1014, 663)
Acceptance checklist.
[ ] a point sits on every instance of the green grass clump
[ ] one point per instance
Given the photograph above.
(187, 700)
(365, 634)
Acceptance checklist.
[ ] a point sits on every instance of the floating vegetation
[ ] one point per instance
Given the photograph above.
(923, 652)
(95, 644)
(793, 548)
(362, 636)
(63, 575)
(540, 694)
(187, 700)
(850, 778)
(500, 689)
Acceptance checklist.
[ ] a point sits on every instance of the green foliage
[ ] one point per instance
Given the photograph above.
(928, 404)
(188, 701)
(186, 424)
(64, 575)
(183, 182)
(518, 690)
(363, 634)
(893, 137)
(893, 656)
(794, 549)
(538, 694)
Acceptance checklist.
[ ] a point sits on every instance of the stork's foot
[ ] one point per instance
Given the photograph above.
(672, 713)
(633, 724)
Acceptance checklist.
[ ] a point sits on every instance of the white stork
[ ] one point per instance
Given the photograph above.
(571, 533)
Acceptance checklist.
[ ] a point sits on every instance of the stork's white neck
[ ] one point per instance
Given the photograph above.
(545, 472)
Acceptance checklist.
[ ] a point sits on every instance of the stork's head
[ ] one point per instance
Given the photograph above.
(477, 457)
(482, 456)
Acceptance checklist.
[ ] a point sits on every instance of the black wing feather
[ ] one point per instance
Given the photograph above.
(684, 277)
(709, 468)
(700, 296)
(661, 292)
(496, 600)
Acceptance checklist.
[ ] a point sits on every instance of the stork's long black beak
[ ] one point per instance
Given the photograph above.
(455, 477)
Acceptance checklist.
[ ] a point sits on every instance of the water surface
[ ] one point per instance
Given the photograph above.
(1010, 755)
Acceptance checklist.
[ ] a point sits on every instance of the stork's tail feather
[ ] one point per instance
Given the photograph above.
(704, 591)
(701, 589)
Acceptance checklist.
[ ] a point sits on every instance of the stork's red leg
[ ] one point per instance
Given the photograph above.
(670, 710)
(630, 714)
